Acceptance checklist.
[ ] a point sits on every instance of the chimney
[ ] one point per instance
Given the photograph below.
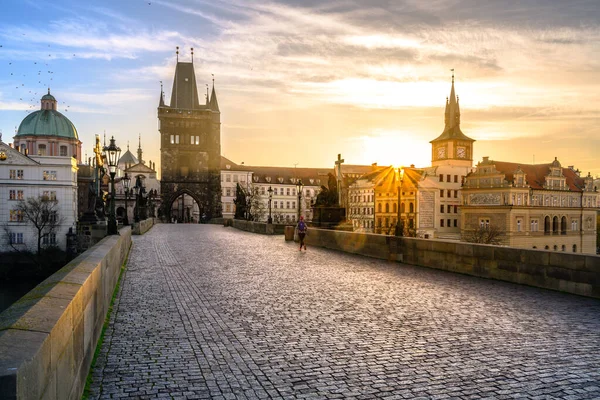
(486, 159)
(412, 165)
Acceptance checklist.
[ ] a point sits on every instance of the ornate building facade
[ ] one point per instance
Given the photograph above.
(541, 206)
(190, 140)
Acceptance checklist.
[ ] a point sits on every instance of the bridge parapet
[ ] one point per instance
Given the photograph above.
(48, 337)
(566, 272)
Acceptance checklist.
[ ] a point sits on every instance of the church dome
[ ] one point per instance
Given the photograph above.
(48, 97)
(47, 122)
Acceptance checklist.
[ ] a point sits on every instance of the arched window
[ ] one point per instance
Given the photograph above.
(41, 149)
(379, 208)
(387, 207)
(63, 151)
(379, 222)
(563, 226)
(547, 225)
(563, 248)
(555, 225)
(395, 208)
(411, 207)
(574, 248)
(546, 248)
(401, 207)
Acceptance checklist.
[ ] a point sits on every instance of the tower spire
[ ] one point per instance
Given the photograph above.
(214, 104)
(192, 49)
(139, 151)
(177, 53)
(161, 101)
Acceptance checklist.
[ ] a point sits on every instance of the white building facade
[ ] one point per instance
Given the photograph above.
(52, 177)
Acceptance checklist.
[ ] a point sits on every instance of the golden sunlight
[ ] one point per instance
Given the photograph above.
(397, 148)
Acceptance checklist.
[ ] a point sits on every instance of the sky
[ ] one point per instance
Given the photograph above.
(299, 81)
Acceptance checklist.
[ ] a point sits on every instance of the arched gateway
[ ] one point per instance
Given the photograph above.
(190, 150)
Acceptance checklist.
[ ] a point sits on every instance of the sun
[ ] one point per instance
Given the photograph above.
(397, 148)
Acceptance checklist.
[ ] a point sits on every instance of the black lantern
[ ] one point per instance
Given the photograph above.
(111, 155)
(300, 187)
(137, 190)
(270, 190)
(126, 183)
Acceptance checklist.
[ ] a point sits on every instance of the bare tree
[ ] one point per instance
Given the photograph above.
(257, 208)
(486, 235)
(43, 214)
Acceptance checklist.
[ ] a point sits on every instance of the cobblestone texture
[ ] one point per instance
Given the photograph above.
(210, 312)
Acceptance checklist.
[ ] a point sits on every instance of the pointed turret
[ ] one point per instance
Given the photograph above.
(214, 104)
(161, 102)
(139, 151)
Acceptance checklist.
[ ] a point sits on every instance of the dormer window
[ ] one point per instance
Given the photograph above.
(311, 181)
(255, 178)
(280, 180)
(268, 179)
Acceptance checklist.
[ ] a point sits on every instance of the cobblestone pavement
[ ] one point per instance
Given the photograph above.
(211, 312)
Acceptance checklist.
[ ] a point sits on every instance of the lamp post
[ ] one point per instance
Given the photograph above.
(112, 154)
(136, 190)
(126, 182)
(270, 190)
(299, 186)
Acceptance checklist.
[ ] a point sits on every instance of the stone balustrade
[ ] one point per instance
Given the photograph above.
(48, 337)
(566, 272)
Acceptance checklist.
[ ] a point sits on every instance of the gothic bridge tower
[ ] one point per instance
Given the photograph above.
(190, 153)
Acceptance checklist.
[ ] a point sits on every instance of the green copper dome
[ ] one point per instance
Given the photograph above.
(47, 123)
(48, 96)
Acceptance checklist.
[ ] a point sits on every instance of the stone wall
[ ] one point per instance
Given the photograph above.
(139, 228)
(257, 227)
(48, 337)
(562, 271)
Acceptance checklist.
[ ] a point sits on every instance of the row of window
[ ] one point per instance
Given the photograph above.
(287, 204)
(449, 193)
(364, 224)
(449, 209)
(17, 216)
(19, 174)
(43, 151)
(454, 223)
(17, 238)
(15, 195)
(386, 207)
(366, 198)
(449, 178)
(281, 192)
(194, 139)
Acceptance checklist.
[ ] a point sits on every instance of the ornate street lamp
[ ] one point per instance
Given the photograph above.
(270, 190)
(299, 186)
(137, 191)
(112, 154)
(126, 182)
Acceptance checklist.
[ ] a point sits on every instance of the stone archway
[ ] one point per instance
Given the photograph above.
(184, 207)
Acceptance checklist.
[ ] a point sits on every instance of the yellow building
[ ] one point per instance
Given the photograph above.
(542, 206)
(386, 201)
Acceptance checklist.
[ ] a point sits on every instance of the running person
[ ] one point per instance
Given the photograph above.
(302, 228)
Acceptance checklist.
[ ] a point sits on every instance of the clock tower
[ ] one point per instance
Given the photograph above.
(452, 147)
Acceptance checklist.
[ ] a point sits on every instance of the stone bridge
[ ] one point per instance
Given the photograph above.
(205, 311)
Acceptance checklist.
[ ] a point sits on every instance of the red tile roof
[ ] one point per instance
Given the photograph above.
(535, 174)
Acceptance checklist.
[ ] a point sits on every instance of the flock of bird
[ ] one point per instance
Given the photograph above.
(26, 89)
